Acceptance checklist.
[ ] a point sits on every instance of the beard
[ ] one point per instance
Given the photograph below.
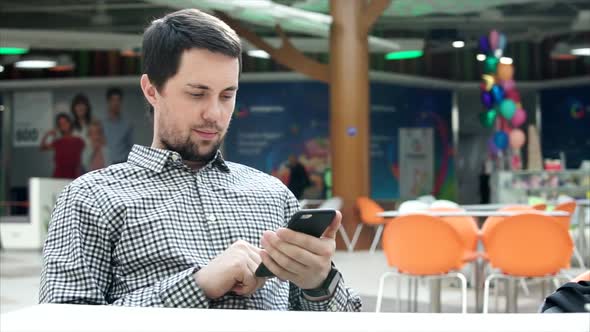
(201, 152)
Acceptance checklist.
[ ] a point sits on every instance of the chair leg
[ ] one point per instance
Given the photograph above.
(410, 282)
(355, 236)
(463, 280)
(345, 238)
(399, 295)
(486, 291)
(380, 291)
(376, 239)
(579, 258)
(416, 295)
(525, 287)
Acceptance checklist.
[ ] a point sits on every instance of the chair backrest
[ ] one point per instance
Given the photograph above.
(334, 203)
(491, 222)
(530, 245)
(466, 227)
(443, 203)
(422, 245)
(569, 207)
(412, 206)
(368, 210)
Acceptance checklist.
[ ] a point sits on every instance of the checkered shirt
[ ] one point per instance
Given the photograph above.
(134, 234)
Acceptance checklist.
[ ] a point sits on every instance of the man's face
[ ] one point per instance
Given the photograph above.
(194, 107)
(114, 102)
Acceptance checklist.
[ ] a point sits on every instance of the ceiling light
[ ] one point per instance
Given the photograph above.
(35, 64)
(401, 55)
(506, 60)
(481, 57)
(13, 50)
(458, 44)
(258, 54)
(1, 68)
(584, 51)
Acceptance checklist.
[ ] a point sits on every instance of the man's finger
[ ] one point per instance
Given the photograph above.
(275, 268)
(330, 232)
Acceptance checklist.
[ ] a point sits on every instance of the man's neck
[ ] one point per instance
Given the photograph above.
(195, 165)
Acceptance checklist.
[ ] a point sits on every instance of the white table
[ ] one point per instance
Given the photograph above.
(59, 317)
(393, 214)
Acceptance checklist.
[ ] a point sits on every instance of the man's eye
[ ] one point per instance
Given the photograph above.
(196, 95)
(227, 97)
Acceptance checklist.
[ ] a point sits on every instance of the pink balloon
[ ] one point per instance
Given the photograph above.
(517, 138)
(518, 118)
(508, 85)
(494, 39)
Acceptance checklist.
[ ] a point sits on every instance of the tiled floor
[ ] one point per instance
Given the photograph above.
(20, 270)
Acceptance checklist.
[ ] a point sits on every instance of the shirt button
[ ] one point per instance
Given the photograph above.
(174, 157)
(211, 218)
(333, 307)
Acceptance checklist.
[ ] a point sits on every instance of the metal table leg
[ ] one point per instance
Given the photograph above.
(435, 289)
(478, 285)
(511, 295)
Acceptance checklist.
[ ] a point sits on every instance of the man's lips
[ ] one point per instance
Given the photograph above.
(205, 134)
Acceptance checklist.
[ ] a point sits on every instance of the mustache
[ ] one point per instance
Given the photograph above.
(208, 126)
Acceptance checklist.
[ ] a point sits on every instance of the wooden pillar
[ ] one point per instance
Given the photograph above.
(349, 107)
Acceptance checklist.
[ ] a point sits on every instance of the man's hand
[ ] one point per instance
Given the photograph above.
(300, 258)
(233, 270)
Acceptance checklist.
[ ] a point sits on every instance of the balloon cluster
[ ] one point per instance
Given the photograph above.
(500, 97)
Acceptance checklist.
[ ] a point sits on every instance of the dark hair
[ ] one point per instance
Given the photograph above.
(114, 92)
(80, 99)
(64, 116)
(167, 38)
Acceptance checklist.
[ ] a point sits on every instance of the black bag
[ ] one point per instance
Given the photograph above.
(571, 297)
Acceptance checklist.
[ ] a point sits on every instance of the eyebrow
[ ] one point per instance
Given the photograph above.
(205, 87)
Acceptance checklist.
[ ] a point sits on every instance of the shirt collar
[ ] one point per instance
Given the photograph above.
(157, 159)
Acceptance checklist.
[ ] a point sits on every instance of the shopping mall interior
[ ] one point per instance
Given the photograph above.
(452, 136)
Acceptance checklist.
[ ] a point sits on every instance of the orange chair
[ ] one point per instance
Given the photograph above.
(466, 227)
(368, 210)
(419, 245)
(527, 245)
(570, 208)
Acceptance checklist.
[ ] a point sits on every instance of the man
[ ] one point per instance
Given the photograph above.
(68, 148)
(118, 132)
(298, 178)
(177, 225)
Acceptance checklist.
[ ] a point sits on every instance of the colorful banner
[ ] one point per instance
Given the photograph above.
(416, 155)
(275, 120)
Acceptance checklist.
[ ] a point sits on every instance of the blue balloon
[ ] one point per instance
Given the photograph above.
(487, 100)
(497, 93)
(501, 140)
(484, 45)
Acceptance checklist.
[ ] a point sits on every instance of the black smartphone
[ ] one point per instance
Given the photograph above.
(311, 222)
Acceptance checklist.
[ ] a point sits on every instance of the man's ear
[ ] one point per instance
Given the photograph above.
(149, 90)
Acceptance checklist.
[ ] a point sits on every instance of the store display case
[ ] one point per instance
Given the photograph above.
(519, 186)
